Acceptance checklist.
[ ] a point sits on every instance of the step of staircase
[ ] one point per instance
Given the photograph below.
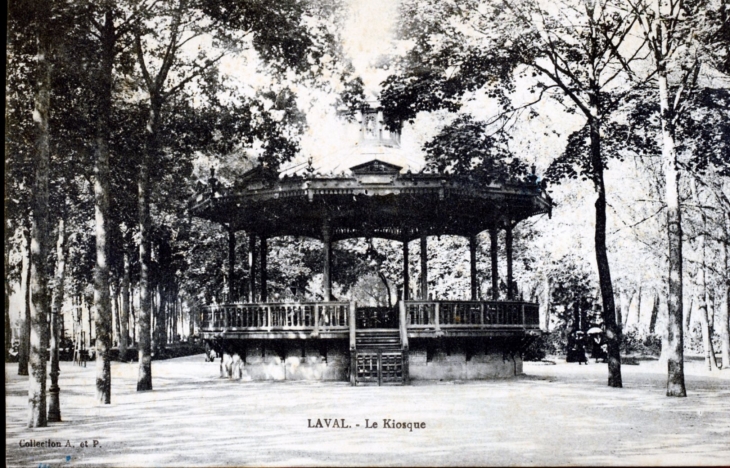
(386, 339)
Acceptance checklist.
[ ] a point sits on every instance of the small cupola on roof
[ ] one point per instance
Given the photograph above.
(366, 138)
(372, 128)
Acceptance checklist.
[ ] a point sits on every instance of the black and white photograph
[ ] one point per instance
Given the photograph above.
(367, 233)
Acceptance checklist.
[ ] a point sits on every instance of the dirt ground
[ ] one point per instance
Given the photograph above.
(562, 414)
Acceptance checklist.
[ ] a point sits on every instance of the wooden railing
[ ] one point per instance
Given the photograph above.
(445, 314)
(337, 316)
(276, 316)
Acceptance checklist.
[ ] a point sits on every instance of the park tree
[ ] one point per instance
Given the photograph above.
(576, 53)
(40, 43)
(19, 167)
(103, 29)
(32, 25)
(702, 135)
(167, 69)
(99, 55)
(682, 37)
(54, 404)
(158, 40)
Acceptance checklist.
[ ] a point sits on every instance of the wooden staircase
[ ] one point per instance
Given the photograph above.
(380, 357)
(386, 339)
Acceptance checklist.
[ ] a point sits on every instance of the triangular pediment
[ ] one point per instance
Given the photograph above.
(376, 167)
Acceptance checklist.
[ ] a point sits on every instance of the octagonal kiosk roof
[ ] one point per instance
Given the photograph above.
(372, 189)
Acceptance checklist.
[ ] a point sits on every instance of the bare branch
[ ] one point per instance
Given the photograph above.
(641, 221)
(200, 70)
(140, 59)
(568, 91)
(128, 23)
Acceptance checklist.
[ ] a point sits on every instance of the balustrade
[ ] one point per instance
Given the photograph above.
(423, 315)
(438, 314)
(284, 316)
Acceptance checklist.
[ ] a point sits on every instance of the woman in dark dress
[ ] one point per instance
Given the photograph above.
(598, 351)
(576, 348)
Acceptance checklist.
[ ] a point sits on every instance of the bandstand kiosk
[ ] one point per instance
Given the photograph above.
(372, 191)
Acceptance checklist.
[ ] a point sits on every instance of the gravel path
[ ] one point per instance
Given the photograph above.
(559, 414)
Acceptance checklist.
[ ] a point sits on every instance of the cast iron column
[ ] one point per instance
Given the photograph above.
(473, 265)
(424, 268)
(327, 274)
(252, 266)
(508, 241)
(406, 279)
(264, 252)
(493, 257)
(231, 264)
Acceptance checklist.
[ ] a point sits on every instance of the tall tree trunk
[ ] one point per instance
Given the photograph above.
(675, 363)
(90, 317)
(161, 323)
(663, 330)
(102, 301)
(706, 331)
(630, 309)
(625, 306)
(725, 330)
(174, 317)
(144, 379)
(170, 318)
(8, 326)
(654, 313)
(8, 289)
(154, 301)
(39, 311)
(711, 308)
(114, 301)
(687, 319)
(613, 333)
(545, 307)
(133, 317)
(154, 87)
(172, 310)
(618, 297)
(173, 321)
(710, 360)
(124, 313)
(634, 315)
(169, 310)
(725, 322)
(387, 287)
(78, 330)
(54, 404)
(24, 339)
(191, 322)
(118, 320)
